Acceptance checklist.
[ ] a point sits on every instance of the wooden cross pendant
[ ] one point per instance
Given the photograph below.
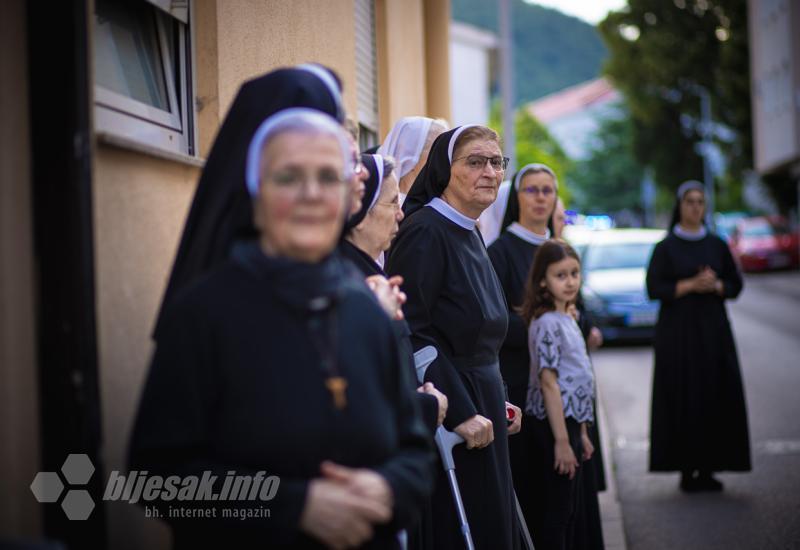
(337, 386)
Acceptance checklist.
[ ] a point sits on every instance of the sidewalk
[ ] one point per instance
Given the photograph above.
(610, 507)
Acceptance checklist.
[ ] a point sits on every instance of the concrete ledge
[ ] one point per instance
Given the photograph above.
(610, 507)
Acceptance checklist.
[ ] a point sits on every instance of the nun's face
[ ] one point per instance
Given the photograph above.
(693, 206)
(360, 176)
(473, 184)
(559, 220)
(383, 221)
(302, 201)
(537, 199)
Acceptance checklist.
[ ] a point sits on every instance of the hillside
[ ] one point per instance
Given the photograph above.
(552, 50)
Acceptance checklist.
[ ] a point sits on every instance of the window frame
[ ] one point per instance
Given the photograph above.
(123, 116)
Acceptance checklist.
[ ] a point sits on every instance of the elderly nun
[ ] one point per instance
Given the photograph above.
(276, 363)
(456, 304)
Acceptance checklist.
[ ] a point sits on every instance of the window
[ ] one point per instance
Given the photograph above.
(142, 72)
(366, 73)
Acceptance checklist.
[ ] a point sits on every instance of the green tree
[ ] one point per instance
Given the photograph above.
(660, 53)
(536, 144)
(609, 179)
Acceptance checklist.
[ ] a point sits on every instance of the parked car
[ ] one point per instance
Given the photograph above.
(764, 243)
(725, 223)
(614, 292)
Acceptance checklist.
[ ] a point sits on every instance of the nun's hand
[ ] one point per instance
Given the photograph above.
(362, 482)
(516, 423)
(595, 339)
(441, 398)
(337, 517)
(389, 295)
(477, 432)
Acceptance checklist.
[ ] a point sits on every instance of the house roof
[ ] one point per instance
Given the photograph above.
(572, 100)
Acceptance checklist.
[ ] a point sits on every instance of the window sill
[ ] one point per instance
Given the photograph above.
(129, 144)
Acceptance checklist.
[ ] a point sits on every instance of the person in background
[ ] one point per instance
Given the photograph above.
(280, 325)
(699, 418)
(455, 304)
(409, 142)
(559, 395)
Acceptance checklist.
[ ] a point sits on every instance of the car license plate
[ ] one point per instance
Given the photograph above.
(642, 318)
(778, 260)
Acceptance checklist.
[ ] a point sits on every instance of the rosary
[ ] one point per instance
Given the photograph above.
(334, 381)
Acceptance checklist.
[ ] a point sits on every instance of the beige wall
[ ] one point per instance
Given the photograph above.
(140, 201)
(19, 418)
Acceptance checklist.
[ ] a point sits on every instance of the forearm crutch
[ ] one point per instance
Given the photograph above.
(445, 441)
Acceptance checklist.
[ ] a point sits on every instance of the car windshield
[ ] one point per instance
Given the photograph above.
(617, 256)
(764, 229)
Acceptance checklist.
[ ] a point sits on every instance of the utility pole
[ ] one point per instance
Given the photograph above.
(507, 83)
(707, 131)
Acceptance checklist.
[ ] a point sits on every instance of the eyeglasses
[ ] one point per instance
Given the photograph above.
(533, 190)
(358, 166)
(477, 162)
(329, 183)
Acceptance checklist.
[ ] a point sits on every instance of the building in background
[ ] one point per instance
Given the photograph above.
(108, 110)
(775, 75)
(473, 63)
(573, 115)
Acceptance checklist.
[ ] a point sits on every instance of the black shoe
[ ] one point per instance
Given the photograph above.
(708, 482)
(690, 483)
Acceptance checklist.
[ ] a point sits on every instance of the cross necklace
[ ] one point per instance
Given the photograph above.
(334, 381)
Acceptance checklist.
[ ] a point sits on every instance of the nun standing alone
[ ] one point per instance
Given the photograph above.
(456, 304)
(699, 420)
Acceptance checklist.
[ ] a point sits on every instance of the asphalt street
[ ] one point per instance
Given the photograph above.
(760, 509)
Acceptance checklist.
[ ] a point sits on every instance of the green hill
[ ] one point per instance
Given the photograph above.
(552, 50)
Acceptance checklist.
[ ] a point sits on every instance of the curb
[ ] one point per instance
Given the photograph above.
(610, 507)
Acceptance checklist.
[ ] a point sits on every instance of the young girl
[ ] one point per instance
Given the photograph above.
(560, 392)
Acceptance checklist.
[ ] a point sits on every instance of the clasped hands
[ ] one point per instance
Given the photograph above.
(388, 293)
(344, 504)
(706, 281)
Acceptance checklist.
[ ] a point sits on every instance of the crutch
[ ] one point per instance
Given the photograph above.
(445, 441)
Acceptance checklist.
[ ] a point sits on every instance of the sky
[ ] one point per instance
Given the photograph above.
(591, 11)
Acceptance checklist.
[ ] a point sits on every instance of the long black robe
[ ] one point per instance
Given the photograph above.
(455, 303)
(236, 383)
(699, 418)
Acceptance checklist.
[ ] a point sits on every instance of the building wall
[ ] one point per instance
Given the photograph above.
(141, 199)
(470, 74)
(20, 515)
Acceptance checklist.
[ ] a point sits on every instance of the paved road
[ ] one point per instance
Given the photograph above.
(757, 510)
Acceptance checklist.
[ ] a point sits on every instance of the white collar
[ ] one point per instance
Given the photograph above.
(452, 214)
(527, 235)
(690, 235)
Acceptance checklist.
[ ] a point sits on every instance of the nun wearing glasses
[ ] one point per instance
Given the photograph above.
(456, 304)
(278, 361)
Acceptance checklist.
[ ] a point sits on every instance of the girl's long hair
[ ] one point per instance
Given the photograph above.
(538, 300)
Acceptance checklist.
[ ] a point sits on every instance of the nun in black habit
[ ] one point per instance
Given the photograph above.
(368, 233)
(221, 210)
(455, 303)
(699, 419)
(278, 361)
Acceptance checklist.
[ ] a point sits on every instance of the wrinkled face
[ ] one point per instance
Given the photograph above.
(383, 221)
(473, 180)
(303, 198)
(360, 175)
(693, 207)
(559, 220)
(563, 280)
(537, 198)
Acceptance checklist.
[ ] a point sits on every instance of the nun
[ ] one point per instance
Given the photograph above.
(221, 210)
(409, 142)
(276, 363)
(368, 234)
(699, 420)
(456, 304)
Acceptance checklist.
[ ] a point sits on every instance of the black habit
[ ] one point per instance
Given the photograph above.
(237, 382)
(699, 418)
(222, 211)
(455, 304)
